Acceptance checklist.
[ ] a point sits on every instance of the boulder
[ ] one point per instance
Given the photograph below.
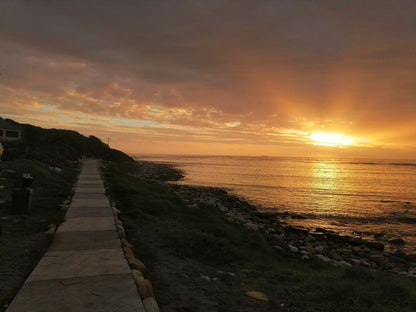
(137, 276)
(251, 226)
(51, 229)
(344, 263)
(145, 289)
(334, 255)
(277, 248)
(292, 248)
(137, 264)
(257, 295)
(150, 305)
(396, 241)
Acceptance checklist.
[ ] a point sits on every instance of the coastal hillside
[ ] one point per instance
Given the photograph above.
(56, 146)
(51, 157)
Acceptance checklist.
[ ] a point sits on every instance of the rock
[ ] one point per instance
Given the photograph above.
(292, 248)
(378, 259)
(51, 229)
(278, 248)
(279, 240)
(355, 261)
(326, 260)
(322, 258)
(379, 235)
(319, 249)
(145, 289)
(320, 230)
(375, 245)
(297, 229)
(412, 257)
(400, 253)
(257, 295)
(150, 305)
(125, 243)
(396, 241)
(137, 264)
(334, 255)
(251, 226)
(55, 169)
(206, 278)
(121, 232)
(366, 263)
(128, 252)
(304, 257)
(137, 276)
(388, 265)
(344, 263)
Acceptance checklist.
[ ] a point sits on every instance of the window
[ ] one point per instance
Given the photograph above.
(12, 134)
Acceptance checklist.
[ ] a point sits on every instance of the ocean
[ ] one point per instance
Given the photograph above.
(353, 197)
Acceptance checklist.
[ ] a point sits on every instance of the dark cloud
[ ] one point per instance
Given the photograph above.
(264, 62)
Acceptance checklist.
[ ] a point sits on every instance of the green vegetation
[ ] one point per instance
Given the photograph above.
(56, 146)
(158, 220)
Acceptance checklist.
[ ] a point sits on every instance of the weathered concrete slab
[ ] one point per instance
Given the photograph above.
(90, 174)
(89, 183)
(100, 293)
(80, 263)
(88, 196)
(67, 241)
(89, 180)
(90, 202)
(87, 224)
(90, 190)
(89, 212)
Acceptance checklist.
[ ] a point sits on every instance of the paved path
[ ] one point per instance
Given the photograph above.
(84, 269)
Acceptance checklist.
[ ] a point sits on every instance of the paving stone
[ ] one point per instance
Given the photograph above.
(87, 224)
(88, 196)
(100, 293)
(80, 263)
(67, 241)
(89, 212)
(90, 202)
(90, 189)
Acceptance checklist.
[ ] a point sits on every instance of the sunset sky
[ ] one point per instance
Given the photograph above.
(287, 78)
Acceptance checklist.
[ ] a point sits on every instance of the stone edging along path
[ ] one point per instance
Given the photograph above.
(90, 266)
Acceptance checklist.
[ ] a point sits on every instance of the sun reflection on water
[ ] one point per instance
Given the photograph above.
(324, 183)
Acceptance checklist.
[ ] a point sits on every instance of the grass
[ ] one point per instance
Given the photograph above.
(23, 240)
(203, 235)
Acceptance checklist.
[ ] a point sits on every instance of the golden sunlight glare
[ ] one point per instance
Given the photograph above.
(331, 139)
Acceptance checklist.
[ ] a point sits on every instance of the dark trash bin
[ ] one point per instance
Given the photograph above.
(22, 194)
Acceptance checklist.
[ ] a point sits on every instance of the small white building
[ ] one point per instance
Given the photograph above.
(9, 131)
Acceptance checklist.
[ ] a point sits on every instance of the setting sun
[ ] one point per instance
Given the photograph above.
(331, 139)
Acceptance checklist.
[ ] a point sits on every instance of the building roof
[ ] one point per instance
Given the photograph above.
(5, 124)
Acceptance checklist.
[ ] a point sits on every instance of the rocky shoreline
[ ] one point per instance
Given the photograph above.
(317, 244)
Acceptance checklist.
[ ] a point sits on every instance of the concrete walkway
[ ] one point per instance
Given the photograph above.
(84, 269)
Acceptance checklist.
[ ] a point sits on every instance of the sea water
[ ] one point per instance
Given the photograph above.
(355, 197)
